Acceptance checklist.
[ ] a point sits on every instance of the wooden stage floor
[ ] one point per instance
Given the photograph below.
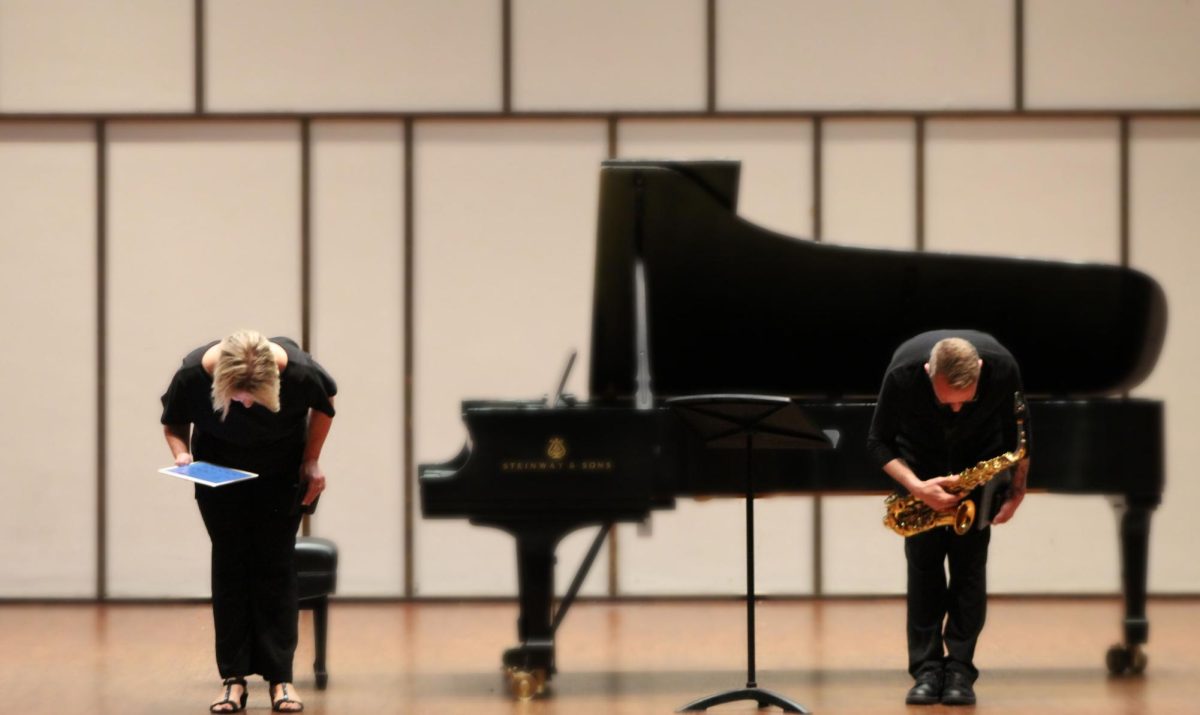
(839, 656)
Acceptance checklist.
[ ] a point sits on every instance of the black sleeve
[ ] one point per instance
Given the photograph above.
(881, 441)
(321, 387)
(177, 407)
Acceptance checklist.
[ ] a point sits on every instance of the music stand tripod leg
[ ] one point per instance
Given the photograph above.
(764, 698)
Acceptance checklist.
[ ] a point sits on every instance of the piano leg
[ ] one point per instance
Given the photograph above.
(1134, 515)
(531, 664)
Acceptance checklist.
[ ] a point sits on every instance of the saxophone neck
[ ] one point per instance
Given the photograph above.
(1019, 411)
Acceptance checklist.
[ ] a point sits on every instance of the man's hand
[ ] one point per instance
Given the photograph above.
(311, 474)
(933, 493)
(183, 459)
(1010, 506)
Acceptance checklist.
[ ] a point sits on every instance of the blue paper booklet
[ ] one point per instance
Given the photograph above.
(210, 475)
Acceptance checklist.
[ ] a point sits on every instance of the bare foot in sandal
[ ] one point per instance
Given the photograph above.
(233, 697)
(283, 698)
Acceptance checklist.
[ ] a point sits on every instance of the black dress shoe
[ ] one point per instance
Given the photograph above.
(927, 691)
(958, 690)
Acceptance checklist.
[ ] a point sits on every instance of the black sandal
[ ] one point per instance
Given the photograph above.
(237, 706)
(284, 698)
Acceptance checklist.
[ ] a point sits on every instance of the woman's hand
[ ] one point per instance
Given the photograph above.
(312, 475)
(183, 459)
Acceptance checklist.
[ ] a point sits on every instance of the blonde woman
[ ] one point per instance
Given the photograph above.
(264, 406)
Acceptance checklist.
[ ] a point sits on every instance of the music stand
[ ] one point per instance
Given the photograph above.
(748, 422)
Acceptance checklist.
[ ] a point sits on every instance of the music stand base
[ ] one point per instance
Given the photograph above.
(765, 698)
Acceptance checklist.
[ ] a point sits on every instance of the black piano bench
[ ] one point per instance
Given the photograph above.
(316, 576)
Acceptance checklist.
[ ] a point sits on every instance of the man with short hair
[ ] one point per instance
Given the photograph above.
(948, 402)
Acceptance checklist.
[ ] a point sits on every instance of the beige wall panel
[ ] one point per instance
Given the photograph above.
(314, 55)
(608, 55)
(47, 294)
(776, 155)
(869, 197)
(1056, 544)
(203, 239)
(859, 554)
(776, 193)
(1112, 53)
(868, 180)
(87, 56)
(505, 223)
(1039, 189)
(699, 548)
(358, 335)
(1165, 176)
(859, 54)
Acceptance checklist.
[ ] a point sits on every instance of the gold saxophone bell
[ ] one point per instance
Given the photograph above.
(907, 515)
(964, 516)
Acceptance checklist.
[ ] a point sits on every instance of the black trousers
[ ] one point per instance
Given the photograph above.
(254, 592)
(945, 619)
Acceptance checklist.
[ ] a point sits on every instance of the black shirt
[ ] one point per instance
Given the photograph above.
(255, 439)
(909, 423)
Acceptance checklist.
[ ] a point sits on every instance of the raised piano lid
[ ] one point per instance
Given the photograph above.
(734, 307)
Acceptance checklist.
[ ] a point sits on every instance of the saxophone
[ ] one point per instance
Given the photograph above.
(907, 515)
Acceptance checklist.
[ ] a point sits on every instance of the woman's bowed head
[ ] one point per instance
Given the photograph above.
(246, 370)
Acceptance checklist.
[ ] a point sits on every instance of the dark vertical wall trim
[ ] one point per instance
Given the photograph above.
(1019, 55)
(818, 547)
(1124, 198)
(198, 58)
(505, 55)
(818, 142)
(409, 507)
(711, 59)
(306, 252)
(101, 360)
(306, 233)
(919, 164)
(818, 198)
(614, 547)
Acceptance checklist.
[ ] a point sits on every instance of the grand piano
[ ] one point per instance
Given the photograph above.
(691, 299)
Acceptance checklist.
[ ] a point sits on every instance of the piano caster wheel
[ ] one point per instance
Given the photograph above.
(525, 684)
(1123, 659)
(1140, 660)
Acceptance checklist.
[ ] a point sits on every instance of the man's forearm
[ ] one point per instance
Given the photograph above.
(899, 470)
(1020, 475)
